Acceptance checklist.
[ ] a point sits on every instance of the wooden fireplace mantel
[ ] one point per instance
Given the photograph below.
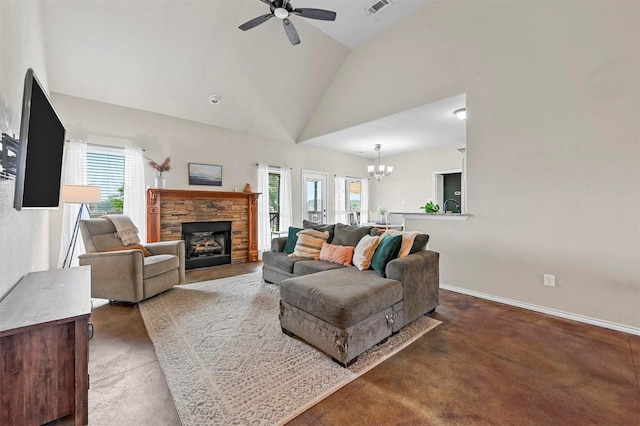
(157, 218)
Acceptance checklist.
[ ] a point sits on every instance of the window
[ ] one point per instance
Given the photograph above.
(351, 201)
(105, 168)
(274, 201)
(274, 207)
(354, 199)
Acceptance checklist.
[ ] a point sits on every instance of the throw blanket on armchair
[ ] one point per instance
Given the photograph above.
(125, 229)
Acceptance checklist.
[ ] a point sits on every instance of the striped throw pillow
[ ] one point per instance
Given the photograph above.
(309, 243)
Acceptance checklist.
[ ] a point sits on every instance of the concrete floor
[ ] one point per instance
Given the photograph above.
(486, 364)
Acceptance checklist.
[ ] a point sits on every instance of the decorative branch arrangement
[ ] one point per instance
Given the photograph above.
(160, 168)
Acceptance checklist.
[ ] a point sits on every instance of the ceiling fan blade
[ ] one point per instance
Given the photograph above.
(267, 2)
(285, 3)
(255, 22)
(291, 31)
(321, 14)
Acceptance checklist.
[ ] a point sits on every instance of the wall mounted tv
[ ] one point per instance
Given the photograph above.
(40, 149)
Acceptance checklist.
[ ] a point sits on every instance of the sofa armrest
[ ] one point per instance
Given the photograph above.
(170, 247)
(277, 244)
(420, 277)
(116, 275)
(166, 247)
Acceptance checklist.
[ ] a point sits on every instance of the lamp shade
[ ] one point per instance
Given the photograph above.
(80, 194)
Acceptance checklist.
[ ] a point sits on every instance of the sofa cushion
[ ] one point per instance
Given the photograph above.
(322, 227)
(310, 266)
(278, 243)
(342, 297)
(387, 250)
(280, 260)
(376, 232)
(347, 235)
(337, 254)
(159, 264)
(106, 242)
(420, 243)
(364, 251)
(292, 239)
(309, 243)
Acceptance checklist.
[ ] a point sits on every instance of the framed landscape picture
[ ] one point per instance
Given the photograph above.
(205, 174)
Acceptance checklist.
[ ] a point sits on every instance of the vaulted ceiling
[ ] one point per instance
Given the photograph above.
(170, 56)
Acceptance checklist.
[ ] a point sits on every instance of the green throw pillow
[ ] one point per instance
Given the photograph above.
(292, 239)
(387, 250)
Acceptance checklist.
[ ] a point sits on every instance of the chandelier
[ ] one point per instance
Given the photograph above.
(380, 170)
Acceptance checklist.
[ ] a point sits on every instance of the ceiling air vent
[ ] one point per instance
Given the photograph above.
(378, 6)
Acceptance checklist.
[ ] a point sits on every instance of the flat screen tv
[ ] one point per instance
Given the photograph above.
(40, 149)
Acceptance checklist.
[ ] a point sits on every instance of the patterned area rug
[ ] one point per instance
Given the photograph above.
(226, 361)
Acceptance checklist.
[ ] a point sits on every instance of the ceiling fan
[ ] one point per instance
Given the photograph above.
(282, 9)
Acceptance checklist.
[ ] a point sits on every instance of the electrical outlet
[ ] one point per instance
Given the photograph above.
(549, 280)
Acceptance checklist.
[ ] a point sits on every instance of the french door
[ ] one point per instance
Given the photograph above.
(314, 196)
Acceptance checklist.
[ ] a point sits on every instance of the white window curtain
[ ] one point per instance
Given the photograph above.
(286, 212)
(364, 201)
(264, 227)
(135, 200)
(75, 173)
(340, 200)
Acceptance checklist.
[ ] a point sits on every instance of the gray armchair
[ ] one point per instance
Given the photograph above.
(124, 273)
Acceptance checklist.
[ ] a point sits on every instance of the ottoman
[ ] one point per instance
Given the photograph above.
(343, 312)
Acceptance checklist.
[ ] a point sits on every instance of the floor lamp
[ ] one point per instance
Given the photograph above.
(83, 195)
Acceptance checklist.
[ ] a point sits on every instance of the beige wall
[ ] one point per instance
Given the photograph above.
(186, 141)
(411, 183)
(553, 100)
(24, 236)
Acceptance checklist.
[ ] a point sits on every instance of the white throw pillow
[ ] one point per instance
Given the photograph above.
(365, 249)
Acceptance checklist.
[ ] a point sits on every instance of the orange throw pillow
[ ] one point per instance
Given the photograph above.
(337, 254)
(145, 252)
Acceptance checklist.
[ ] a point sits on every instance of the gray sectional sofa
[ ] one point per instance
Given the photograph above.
(342, 310)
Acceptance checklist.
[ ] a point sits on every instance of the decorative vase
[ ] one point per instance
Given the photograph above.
(160, 181)
(247, 188)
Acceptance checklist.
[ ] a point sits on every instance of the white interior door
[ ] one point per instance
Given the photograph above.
(314, 196)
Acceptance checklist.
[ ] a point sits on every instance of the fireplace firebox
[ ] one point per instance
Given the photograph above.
(206, 243)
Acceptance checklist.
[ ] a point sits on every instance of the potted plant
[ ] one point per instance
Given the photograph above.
(430, 207)
(383, 214)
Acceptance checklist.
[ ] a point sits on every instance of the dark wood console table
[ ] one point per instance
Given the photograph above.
(44, 348)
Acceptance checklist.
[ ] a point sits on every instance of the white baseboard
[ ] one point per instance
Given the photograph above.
(544, 310)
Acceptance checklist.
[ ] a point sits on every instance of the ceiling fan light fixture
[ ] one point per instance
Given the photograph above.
(281, 13)
(282, 10)
(461, 113)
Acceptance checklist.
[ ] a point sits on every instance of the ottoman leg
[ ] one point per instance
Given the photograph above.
(287, 332)
(345, 365)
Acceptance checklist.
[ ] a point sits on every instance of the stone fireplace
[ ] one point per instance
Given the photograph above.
(206, 243)
(169, 210)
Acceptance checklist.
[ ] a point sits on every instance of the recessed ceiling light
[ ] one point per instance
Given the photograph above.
(215, 99)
